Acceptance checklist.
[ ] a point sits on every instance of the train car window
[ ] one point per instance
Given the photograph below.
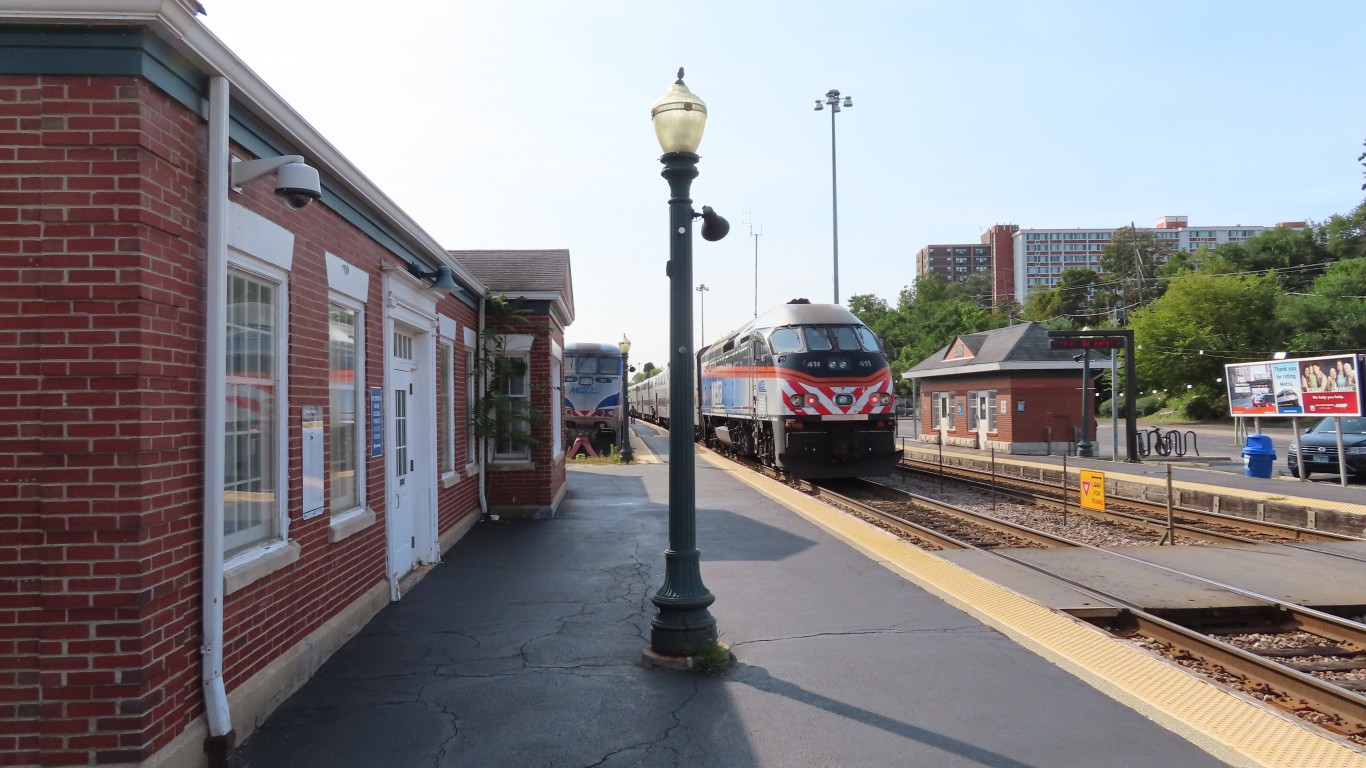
(816, 340)
(845, 338)
(785, 341)
(869, 340)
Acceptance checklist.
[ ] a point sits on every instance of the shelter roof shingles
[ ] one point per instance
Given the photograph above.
(1023, 343)
(543, 275)
(539, 271)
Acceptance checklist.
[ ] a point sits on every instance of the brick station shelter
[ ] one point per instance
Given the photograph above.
(234, 425)
(1003, 389)
(528, 479)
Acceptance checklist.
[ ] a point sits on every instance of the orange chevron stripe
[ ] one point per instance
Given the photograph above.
(771, 372)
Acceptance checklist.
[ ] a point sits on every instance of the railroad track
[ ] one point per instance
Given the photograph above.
(1303, 661)
(1179, 521)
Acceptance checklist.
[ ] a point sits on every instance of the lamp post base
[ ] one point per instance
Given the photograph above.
(683, 626)
(716, 659)
(684, 633)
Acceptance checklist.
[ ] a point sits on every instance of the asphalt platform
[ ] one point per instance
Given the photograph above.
(524, 648)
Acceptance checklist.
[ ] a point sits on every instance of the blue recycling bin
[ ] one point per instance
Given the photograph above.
(1258, 456)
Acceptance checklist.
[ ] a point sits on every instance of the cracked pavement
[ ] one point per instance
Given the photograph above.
(523, 648)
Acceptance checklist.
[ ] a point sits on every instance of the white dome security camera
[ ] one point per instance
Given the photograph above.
(298, 184)
(296, 181)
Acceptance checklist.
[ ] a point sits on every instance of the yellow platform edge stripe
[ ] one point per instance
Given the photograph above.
(1233, 729)
(1216, 490)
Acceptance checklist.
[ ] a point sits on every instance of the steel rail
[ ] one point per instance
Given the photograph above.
(1050, 492)
(1033, 535)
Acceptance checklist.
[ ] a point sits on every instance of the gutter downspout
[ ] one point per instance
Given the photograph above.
(483, 392)
(221, 738)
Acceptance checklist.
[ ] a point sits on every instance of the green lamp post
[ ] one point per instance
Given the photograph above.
(683, 626)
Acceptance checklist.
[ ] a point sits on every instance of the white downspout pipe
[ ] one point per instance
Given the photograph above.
(483, 443)
(215, 391)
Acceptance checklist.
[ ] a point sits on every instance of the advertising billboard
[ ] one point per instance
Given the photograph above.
(1310, 386)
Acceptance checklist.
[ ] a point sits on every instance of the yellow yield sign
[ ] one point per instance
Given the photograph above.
(1092, 489)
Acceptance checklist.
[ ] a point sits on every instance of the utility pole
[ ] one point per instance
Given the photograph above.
(756, 235)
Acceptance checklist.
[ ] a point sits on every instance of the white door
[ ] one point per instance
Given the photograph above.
(403, 500)
(983, 418)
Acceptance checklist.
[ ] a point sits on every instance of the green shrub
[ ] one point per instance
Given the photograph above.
(1149, 404)
(1201, 404)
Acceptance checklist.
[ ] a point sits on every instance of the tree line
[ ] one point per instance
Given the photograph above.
(1299, 291)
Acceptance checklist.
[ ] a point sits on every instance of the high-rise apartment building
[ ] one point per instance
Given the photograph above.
(1025, 260)
(954, 262)
(1042, 255)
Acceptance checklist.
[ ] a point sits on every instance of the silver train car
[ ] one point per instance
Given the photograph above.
(804, 387)
(592, 395)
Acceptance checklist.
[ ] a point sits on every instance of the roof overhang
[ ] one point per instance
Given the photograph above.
(983, 368)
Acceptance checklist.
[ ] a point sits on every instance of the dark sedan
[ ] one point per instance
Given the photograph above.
(1319, 448)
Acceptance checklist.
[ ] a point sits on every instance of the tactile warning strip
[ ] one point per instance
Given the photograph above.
(1232, 729)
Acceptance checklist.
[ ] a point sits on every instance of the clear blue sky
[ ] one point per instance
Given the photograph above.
(526, 125)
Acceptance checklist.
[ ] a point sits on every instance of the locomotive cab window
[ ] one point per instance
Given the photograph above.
(868, 339)
(816, 340)
(845, 338)
(785, 341)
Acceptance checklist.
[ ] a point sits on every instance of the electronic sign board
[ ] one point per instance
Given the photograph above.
(1086, 342)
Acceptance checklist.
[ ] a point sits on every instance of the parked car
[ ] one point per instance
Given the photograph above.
(1319, 448)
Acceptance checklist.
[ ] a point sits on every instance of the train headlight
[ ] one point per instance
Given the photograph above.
(884, 398)
(610, 412)
(795, 401)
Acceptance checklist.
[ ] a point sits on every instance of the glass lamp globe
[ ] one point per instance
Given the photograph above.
(679, 118)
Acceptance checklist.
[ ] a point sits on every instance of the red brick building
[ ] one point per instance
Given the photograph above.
(233, 424)
(527, 480)
(1003, 389)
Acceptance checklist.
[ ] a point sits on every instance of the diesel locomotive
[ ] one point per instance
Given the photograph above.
(803, 387)
(592, 395)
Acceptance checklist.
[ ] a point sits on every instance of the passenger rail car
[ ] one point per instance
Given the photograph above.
(649, 399)
(592, 394)
(804, 387)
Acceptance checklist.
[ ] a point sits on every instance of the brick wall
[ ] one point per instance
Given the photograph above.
(1052, 400)
(100, 396)
(517, 486)
(102, 205)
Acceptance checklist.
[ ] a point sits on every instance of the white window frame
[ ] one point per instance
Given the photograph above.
(278, 533)
(556, 401)
(362, 404)
(471, 401)
(445, 406)
(517, 347)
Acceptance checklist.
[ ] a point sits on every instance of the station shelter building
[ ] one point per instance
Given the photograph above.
(1003, 389)
(234, 425)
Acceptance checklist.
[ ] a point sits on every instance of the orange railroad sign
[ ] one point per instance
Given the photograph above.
(1092, 490)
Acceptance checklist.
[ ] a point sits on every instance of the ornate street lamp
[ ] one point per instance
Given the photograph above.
(627, 455)
(832, 97)
(683, 626)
